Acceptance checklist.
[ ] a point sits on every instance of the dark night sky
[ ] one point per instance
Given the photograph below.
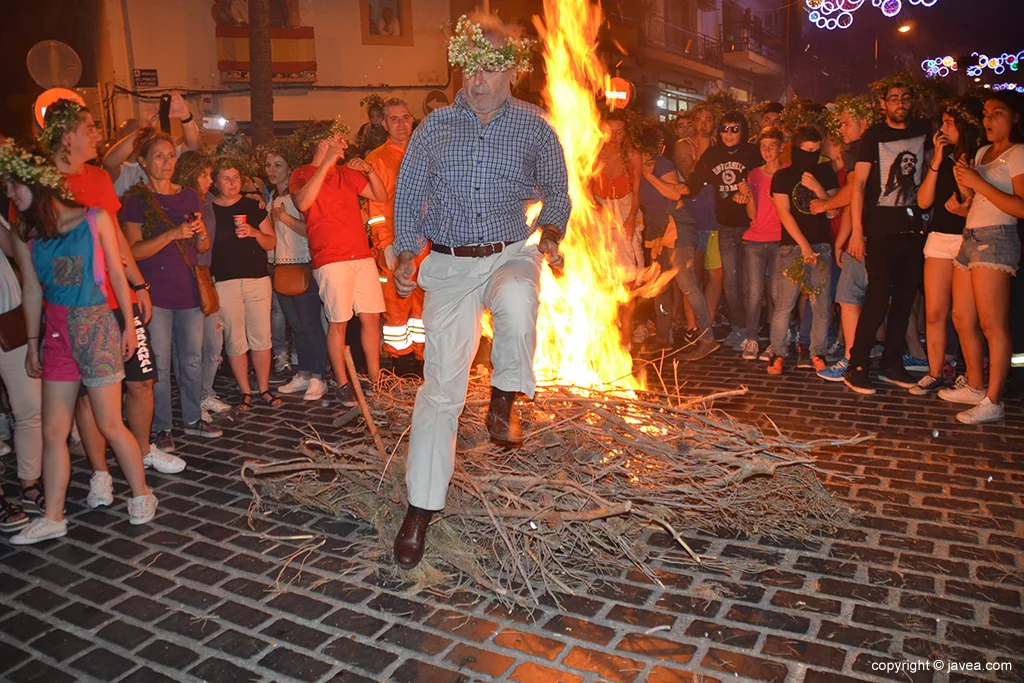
(951, 27)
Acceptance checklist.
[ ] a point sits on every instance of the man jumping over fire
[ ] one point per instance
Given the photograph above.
(469, 172)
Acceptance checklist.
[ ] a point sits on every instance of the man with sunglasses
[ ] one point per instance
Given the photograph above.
(724, 167)
(884, 209)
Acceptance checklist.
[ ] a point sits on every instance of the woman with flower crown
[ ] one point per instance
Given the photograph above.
(65, 252)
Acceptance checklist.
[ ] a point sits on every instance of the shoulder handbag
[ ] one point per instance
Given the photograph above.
(209, 302)
(13, 333)
(292, 279)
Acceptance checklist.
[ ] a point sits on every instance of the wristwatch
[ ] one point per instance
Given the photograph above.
(144, 285)
(187, 120)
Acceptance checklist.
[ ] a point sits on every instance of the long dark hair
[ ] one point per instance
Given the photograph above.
(42, 218)
(970, 134)
(1013, 101)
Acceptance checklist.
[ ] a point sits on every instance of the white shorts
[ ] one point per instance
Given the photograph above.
(245, 313)
(942, 245)
(349, 286)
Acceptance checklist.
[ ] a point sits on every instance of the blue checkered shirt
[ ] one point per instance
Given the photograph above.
(462, 184)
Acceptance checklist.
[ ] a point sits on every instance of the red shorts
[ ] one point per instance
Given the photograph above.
(82, 344)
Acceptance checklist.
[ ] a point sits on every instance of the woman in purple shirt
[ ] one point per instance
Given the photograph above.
(157, 217)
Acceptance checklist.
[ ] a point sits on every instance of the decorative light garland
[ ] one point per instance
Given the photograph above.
(998, 64)
(838, 14)
(940, 67)
(1012, 87)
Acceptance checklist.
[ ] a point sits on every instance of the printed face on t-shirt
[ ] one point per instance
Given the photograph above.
(900, 171)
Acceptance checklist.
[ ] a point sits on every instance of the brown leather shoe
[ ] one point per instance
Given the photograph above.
(502, 420)
(411, 537)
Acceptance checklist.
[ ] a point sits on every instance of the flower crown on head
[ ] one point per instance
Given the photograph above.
(860, 107)
(470, 50)
(29, 168)
(311, 133)
(61, 118)
(957, 108)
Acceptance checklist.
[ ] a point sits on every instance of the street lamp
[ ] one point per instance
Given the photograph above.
(904, 29)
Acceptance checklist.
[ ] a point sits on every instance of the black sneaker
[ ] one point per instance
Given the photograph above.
(858, 380)
(803, 358)
(898, 376)
(164, 441)
(346, 395)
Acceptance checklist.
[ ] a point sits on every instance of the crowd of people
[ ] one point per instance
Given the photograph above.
(908, 224)
(206, 255)
(164, 256)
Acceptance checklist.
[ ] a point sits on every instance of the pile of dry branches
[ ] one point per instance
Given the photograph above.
(596, 472)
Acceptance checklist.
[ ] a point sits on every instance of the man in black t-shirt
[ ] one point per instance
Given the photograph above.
(890, 164)
(806, 239)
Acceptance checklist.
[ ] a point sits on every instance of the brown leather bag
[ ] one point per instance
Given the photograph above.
(209, 301)
(13, 333)
(292, 279)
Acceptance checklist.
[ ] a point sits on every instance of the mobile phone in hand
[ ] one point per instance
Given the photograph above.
(165, 113)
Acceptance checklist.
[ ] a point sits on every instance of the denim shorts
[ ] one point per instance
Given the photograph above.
(853, 282)
(996, 247)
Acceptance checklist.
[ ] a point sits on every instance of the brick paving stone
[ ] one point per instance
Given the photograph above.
(606, 666)
(222, 671)
(804, 652)
(59, 644)
(531, 644)
(102, 664)
(410, 638)
(727, 635)
(744, 666)
(462, 625)
(656, 647)
(36, 672)
(295, 665)
(126, 636)
(168, 654)
(355, 622)
(238, 644)
(535, 673)
(482, 661)
(147, 675)
(352, 652)
(295, 634)
(414, 671)
(579, 628)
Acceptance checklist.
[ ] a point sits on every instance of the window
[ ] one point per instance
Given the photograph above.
(673, 99)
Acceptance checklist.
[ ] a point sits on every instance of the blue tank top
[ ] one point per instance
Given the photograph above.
(70, 266)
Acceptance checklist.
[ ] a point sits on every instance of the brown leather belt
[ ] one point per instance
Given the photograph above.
(475, 251)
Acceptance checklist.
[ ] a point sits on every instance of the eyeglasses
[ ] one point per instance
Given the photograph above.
(732, 129)
(895, 99)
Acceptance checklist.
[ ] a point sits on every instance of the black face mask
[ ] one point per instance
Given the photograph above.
(805, 161)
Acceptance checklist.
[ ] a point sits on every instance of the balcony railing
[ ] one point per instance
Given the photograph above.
(740, 37)
(683, 42)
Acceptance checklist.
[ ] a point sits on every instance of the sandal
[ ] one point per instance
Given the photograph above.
(33, 505)
(273, 401)
(245, 405)
(12, 517)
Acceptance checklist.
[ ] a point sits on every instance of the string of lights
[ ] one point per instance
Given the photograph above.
(838, 14)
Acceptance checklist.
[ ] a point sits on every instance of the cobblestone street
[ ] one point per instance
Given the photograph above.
(932, 568)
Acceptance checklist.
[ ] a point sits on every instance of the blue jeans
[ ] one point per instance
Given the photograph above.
(760, 258)
(730, 244)
(278, 328)
(303, 315)
(213, 347)
(788, 293)
(181, 332)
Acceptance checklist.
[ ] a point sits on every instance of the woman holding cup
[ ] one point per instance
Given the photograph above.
(243, 235)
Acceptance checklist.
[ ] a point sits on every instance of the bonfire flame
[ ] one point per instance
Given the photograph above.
(578, 338)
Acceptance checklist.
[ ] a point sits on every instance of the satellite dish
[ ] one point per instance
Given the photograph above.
(53, 64)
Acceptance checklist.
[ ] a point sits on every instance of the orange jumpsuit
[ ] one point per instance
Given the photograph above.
(403, 318)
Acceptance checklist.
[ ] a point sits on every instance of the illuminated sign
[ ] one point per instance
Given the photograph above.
(51, 96)
(618, 92)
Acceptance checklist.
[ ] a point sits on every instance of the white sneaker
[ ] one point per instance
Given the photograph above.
(294, 385)
(985, 411)
(767, 355)
(215, 405)
(101, 490)
(4, 448)
(962, 392)
(142, 509)
(750, 349)
(317, 388)
(164, 463)
(41, 529)
(204, 416)
(281, 363)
